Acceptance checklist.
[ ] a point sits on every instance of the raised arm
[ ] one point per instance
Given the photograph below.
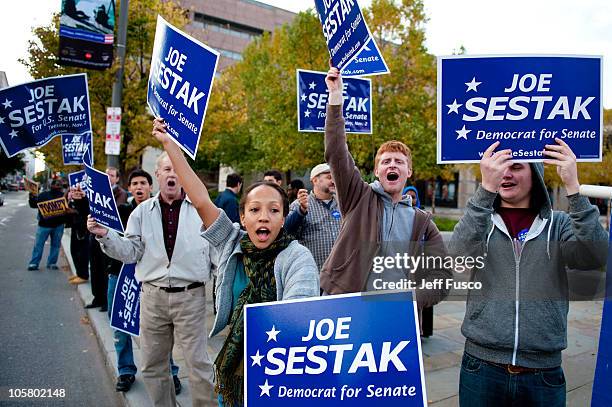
(193, 185)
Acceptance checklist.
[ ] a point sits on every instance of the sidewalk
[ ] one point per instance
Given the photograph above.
(137, 396)
(441, 353)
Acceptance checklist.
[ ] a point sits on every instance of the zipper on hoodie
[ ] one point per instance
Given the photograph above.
(517, 250)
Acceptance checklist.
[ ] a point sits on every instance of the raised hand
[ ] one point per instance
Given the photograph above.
(564, 158)
(303, 200)
(493, 165)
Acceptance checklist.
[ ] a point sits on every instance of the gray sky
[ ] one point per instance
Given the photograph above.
(482, 26)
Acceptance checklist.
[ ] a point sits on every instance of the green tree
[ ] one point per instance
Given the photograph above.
(41, 62)
(251, 122)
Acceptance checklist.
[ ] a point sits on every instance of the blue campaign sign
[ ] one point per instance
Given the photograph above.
(602, 396)
(312, 100)
(524, 102)
(32, 114)
(369, 62)
(344, 350)
(344, 28)
(180, 80)
(125, 313)
(74, 147)
(102, 205)
(77, 178)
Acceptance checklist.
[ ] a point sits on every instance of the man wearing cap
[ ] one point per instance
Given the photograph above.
(314, 218)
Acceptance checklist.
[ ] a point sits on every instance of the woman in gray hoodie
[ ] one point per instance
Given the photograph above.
(516, 325)
(260, 264)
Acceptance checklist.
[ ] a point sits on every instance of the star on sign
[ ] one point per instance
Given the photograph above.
(120, 312)
(462, 133)
(454, 107)
(473, 85)
(1, 119)
(303, 98)
(13, 134)
(272, 334)
(265, 389)
(312, 85)
(307, 113)
(132, 323)
(7, 103)
(257, 359)
(124, 324)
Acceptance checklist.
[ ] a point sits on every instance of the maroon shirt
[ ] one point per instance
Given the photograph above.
(517, 220)
(170, 220)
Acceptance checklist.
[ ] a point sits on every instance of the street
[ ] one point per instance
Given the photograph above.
(47, 342)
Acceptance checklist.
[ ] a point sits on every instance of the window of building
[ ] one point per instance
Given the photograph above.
(226, 27)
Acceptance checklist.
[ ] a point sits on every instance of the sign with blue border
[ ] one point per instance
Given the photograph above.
(347, 35)
(343, 350)
(102, 204)
(312, 101)
(125, 314)
(77, 178)
(32, 114)
(524, 102)
(602, 383)
(180, 81)
(74, 147)
(369, 62)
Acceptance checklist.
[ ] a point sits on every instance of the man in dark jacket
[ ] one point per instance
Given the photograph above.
(228, 199)
(516, 324)
(378, 223)
(52, 210)
(79, 235)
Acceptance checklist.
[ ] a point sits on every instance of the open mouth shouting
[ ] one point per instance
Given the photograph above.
(263, 234)
(171, 183)
(392, 176)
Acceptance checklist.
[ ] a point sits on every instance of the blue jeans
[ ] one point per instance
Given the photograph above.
(123, 341)
(42, 233)
(482, 384)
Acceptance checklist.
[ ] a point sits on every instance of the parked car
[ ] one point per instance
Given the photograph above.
(13, 187)
(1, 199)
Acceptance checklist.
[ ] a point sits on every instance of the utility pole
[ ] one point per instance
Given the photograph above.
(113, 160)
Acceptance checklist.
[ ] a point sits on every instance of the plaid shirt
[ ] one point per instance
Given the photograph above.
(319, 228)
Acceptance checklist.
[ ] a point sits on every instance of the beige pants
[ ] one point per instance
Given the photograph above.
(164, 317)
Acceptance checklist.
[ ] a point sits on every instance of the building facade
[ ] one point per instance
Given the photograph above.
(229, 26)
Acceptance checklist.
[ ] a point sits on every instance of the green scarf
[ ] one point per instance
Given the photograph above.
(259, 268)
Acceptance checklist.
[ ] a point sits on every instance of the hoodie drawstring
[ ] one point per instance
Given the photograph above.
(489, 236)
(548, 237)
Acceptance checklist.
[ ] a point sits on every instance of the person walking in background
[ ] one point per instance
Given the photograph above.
(52, 227)
(228, 199)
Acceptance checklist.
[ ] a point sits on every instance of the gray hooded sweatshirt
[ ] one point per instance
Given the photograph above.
(519, 316)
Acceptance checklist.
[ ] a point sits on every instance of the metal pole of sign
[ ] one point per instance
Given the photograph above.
(113, 160)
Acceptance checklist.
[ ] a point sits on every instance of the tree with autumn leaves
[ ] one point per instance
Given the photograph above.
(251, 121)
(41, 62)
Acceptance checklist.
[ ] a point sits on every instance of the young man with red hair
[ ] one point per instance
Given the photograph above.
(378, 222)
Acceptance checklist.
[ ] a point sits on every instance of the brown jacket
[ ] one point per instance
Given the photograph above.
(350, 261)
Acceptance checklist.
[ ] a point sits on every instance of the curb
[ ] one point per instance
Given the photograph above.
(137, 396)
